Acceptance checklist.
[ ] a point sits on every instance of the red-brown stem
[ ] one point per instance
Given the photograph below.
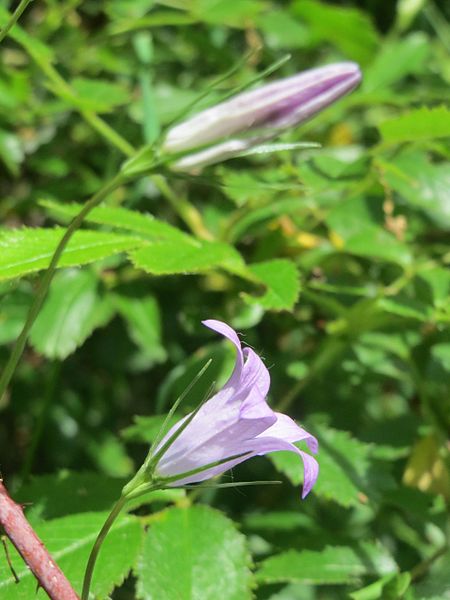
(32, 550)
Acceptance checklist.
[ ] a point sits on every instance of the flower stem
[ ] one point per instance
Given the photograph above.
(43, 288)
(14, 18)
(98, 543)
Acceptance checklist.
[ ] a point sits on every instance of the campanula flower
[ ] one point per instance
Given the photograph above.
(232, 426)
(261, 114)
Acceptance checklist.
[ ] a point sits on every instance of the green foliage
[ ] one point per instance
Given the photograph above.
(331, 565)
(194, 552)
(282, 280)
(349, 472)
(69, 540)
(143, 224)
(330, 257)
(74, 308)
(419, 124)
(168, 257)
(19, 255)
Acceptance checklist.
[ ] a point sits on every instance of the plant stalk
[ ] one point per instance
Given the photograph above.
(97, 545)
(14, 18)
(46, 280)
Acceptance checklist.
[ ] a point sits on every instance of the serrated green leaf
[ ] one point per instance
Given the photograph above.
(194, 552)
(24, 251)
(73, 309)
(416, 125)
(282, 281)
(333, 565)
(120, 218)
(182, 257)
(347, 474)
(69, 540)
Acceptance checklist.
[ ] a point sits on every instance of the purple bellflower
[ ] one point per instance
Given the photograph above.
(232, 426)
(260, 114)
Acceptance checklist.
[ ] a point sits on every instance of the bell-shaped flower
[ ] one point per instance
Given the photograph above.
(232, 426)
(261, 114)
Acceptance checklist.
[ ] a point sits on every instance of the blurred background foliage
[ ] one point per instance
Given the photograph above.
(333, 263)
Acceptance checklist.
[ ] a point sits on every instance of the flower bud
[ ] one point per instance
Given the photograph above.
(266, 111)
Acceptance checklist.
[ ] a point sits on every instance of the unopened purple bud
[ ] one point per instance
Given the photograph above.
(211, 155)
(267, 110)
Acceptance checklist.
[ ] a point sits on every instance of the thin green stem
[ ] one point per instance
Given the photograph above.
(108, 132)
(424, 566)
(14, 18)
(97, 545)
(44, 285)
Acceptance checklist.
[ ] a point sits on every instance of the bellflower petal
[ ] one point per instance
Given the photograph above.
(267, 110)
(232, 426)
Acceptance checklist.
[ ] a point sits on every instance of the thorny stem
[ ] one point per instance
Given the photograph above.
(32, 550)
(43, 288)
(98, 543)
(14, 18)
